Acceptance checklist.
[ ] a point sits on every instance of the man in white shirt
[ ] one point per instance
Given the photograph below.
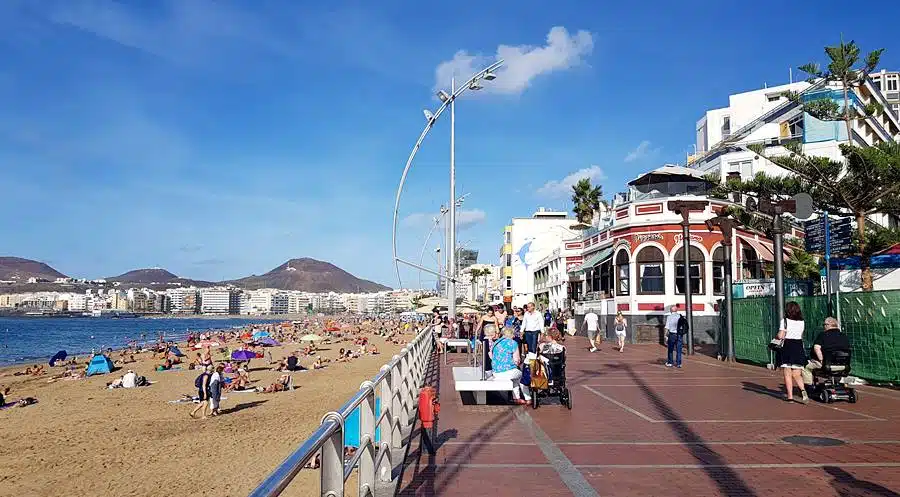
(592, 323)
(129, 380)
(674, 341)
(532, 326)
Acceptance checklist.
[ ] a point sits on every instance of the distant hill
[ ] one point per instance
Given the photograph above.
(145, 276)
(16, 268)
(309, 275)
(155, 278)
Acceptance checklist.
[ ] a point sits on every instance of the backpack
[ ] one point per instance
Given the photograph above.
(682, 326)
(198, 382)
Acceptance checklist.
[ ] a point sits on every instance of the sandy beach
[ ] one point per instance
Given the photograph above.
(84, 439)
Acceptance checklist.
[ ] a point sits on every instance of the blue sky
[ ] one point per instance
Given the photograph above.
(219, 139)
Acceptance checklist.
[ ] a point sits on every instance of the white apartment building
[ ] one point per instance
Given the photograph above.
(298, 302)
(526, 241)
(261, 300)
(280, 303)
(767, 118)
(183, 300)
(219, 301)
(77, 302)
(889, 84)
(551, 274)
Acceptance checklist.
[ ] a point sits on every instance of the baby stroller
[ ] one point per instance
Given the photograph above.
(828, 383)
(549, 379)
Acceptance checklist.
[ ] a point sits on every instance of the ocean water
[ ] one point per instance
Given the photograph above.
(37, 339)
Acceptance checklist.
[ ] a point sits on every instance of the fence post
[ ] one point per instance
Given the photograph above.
(367, 441)
(396, 382)
(332, 470)
(386, 467)
(405, 382)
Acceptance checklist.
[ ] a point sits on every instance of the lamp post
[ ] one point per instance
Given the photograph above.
(726, 226)
(447, 100)
(436, 221)
(684, 208)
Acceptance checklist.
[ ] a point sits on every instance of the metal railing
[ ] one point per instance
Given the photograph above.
(396, 386)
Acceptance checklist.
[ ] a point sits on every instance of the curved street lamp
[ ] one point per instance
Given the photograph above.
(447, 100)
(436, 221)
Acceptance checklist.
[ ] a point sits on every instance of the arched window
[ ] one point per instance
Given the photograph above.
(623, 273)
(696, 273)
(718, 271)
(650, 271)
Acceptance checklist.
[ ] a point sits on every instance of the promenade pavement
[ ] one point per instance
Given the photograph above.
(639, 428)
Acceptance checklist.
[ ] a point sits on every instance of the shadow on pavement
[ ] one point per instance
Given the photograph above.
(729, 482)
(846, 485)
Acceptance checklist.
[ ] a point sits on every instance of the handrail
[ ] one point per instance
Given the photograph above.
(399, 381)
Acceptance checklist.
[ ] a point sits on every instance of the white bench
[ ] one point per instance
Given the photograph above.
(457, 343)
(468, 379)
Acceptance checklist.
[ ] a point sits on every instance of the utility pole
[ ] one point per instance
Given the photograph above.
(684, 208)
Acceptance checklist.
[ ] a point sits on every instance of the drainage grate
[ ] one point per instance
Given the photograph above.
(817, 441)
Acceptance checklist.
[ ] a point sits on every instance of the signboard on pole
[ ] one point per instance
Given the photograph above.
(840, 231)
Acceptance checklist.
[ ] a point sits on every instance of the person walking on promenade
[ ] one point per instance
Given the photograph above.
(620, 326)
(532, 327)
(592, 324)
(674, 340)
(793, 356)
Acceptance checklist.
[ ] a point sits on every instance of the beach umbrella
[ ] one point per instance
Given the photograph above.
(206, 343)
(260, 334)
(310, 338)
(174, 350)
(243, 355)
(268, 342)
(59, 356)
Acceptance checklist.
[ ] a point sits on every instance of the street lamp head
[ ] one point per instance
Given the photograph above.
(428, 115)
(489, 76)
(475, 86)
(441, 94)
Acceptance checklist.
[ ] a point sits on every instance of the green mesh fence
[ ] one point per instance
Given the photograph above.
(754, 322)
(871, 321)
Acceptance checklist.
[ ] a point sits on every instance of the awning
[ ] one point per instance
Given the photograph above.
(762, 252)
(597, 259)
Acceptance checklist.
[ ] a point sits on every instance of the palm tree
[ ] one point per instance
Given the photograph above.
(482, 272)
(801, 266)
(586, 199)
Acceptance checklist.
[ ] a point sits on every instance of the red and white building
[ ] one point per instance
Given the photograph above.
(635, 264)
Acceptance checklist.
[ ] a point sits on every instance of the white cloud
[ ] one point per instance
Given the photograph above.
(642, 151)
(563, 187)
(465, 219)
(522, 63)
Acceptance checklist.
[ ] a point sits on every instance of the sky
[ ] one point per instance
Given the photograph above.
(218, 139)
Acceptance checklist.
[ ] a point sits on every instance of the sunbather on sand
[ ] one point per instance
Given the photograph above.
(280, 385)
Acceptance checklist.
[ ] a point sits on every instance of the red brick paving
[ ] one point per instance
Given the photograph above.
(697, 442)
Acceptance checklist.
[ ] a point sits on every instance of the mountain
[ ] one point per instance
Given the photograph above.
(155, 278)
(18, 269)
(145, 276)
(309, 275)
